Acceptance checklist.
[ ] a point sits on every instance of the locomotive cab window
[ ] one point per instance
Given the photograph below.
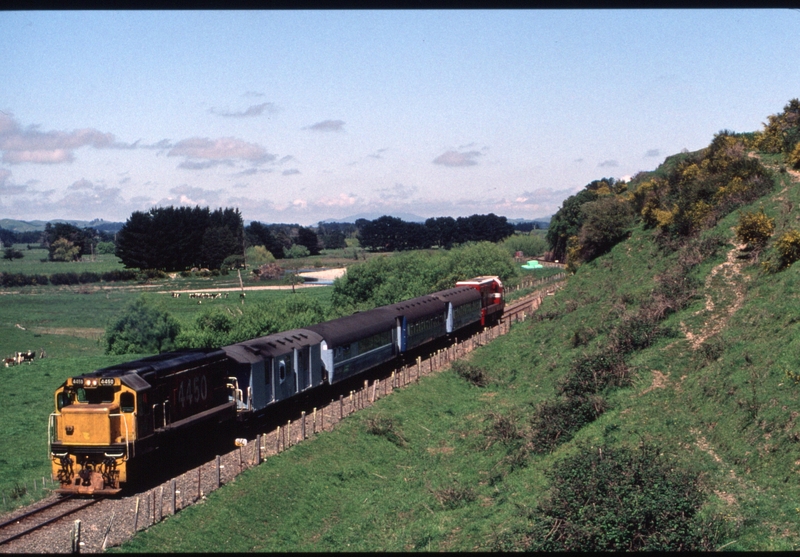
(96, 396)
(126, 402)
(64, 399)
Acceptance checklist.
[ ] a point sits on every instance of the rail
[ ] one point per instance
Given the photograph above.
(16, 520)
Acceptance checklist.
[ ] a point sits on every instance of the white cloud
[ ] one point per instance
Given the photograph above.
(455, 158)
(30, 145)
(327, 126)
(223, 149)
(251, 111)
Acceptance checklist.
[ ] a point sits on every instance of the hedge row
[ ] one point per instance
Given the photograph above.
(20, 279)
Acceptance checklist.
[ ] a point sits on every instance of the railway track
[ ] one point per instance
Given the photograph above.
(514, 310)
(31, 521)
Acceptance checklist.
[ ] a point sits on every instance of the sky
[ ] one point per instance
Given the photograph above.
(303, 116)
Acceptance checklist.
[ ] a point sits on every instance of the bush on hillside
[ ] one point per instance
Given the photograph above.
(754, 228)
(793, 158)
(555, 422)
(605, 223)
(787, 248)
(618, 499)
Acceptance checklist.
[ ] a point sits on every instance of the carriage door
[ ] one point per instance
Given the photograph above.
(303, 368)
(285, 376)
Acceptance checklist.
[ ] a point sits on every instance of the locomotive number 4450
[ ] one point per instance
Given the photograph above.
(193, 390)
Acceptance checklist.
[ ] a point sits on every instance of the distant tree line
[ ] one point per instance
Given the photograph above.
(64, 242)
(393, 234)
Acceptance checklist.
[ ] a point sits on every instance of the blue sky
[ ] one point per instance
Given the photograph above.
(300, 116)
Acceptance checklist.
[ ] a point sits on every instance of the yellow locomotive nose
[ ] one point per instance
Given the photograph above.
(89, 424)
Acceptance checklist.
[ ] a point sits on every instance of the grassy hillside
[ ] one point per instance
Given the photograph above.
(652, 404)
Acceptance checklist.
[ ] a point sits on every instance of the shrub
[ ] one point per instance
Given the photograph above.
(118, 275)
(296, 251)
(106, 247)
(605, 223)
(87, 277)
(388, 428)
(787, 251)
(149, 274)
(258, 256)
(472, 373)
(11, 254)
(619, 499)
(594, 373)
(64, 278)
(556, 421)
(793, 158)
(141, 329)
(18, 279)
(754, 228)
(454, 497)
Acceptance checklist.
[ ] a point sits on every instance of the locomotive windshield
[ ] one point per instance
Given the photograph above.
(96, 396)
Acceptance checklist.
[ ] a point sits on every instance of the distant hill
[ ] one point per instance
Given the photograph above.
(410, 217)
(37, 225)
(407, 217)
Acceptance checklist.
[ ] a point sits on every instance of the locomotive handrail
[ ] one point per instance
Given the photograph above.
(50, 429)
(127, 438)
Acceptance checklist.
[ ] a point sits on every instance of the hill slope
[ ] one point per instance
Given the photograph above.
(652, 404)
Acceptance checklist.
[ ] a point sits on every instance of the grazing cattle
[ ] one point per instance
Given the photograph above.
(28, 356)
(8, 362)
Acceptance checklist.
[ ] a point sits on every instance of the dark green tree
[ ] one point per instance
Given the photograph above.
(606, 221)
(442, 231)
(308, 238)
(83, 239)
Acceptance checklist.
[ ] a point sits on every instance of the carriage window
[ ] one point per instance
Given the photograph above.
(282, 370)
(126, 402)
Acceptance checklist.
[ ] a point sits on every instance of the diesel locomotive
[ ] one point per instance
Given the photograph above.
(109, 418)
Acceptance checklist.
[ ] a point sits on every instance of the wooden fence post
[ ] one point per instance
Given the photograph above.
(136, 515)
(219, 474)
(173, 488)
(76, 536)
(302, 425)
(341, 408)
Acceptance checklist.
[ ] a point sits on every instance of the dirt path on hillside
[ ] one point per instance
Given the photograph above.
(725, 288)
